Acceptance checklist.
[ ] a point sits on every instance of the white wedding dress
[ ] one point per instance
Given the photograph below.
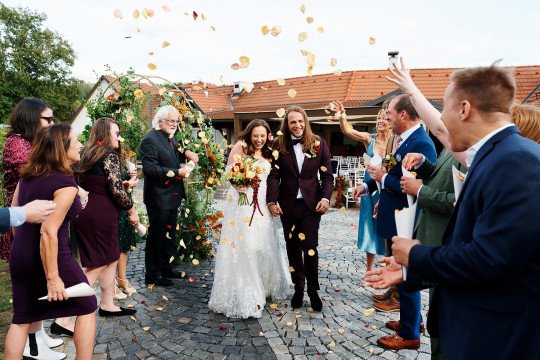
(250, 262)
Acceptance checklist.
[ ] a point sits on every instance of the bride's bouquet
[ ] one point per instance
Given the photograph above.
(245, 172)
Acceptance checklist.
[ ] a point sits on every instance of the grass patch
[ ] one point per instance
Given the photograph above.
(5, 304)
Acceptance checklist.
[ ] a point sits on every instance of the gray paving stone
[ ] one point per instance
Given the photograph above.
(186, 329)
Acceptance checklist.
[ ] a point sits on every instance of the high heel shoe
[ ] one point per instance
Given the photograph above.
(51, 343)
(60, 330)
(118, 294)
(126, 286)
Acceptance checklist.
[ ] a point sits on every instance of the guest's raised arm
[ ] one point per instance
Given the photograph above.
(428, 113)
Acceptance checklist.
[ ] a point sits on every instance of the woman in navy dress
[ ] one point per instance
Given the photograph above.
(96, 228)
(40, 259)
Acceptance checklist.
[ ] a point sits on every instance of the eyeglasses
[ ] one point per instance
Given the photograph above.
(172, 121)
(49, 119)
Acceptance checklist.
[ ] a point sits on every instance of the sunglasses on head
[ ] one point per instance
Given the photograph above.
(49, 119)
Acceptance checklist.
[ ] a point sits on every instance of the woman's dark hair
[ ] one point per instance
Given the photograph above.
(98, 145)
(25, 119)
(49, 151)
(245, 135)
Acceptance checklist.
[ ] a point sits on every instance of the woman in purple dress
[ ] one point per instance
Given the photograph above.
(40, 259)
(96, 228)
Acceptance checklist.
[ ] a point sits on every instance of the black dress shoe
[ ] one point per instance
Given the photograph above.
(170, 274)
(160, 282)
(316, 303)
(297, 300)
(60, 330)
(122, 312)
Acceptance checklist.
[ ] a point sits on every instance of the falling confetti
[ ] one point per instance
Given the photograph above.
(338, 72)
(324, 169)
(152, 66)
(333, 62)
(170, 173)
(146, 328)
(136, 14)
(302, 36)
(305, 52)
(171, 259)
(303, 8)
(166, 8)
(118, 14)
(265, 30)
(280, 112)
(302, 236)
(291, 269)
(244, 61)
(273, 306)
(311, 252)
(276, 30)
(369, 311)
(248, 87)
(280, 81)
(195, 15)
(151, 53)
(291, 93)
(235, 66)
(371, 40)
(165, 44)
(195, 262)
(213, 27)
(320, 29)
(310, 19)
(340, 330)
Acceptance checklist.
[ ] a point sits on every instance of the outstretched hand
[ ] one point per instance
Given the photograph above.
(384, 277)
(402, 78)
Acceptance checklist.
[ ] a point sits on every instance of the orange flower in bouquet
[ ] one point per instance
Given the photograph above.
(245, 172)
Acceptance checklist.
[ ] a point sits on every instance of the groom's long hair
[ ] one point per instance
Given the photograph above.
(309, 138)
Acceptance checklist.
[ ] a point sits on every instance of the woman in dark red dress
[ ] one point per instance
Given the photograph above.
(96, 228)
(40, 256)
(28, 116)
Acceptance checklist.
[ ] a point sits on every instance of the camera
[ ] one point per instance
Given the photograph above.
(393, 58)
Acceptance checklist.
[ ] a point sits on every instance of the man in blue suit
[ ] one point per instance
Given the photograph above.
(487, 270)
(410, 137)
(33, 212)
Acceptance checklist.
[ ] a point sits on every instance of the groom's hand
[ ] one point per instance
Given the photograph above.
(322, 206)
(275, 209)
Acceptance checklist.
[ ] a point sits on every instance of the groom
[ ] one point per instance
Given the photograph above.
(295, 193)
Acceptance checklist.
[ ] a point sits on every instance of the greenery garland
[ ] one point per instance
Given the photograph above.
(198, 220)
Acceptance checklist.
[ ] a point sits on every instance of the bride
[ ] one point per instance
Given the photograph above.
(250, 260)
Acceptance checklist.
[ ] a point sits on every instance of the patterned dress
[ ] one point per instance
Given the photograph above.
(127, 237)
(96, 227)
(15, 155)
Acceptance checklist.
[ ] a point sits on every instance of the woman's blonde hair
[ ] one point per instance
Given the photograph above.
(527, 119)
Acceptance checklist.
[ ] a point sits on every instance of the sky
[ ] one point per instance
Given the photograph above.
(428, 33)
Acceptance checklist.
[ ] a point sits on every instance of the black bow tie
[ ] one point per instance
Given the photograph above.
(297, 141)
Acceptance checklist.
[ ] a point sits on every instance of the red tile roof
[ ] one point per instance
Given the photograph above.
(353, 87)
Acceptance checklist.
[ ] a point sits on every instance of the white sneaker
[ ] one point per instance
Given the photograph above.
(51, 343)
(36, 348)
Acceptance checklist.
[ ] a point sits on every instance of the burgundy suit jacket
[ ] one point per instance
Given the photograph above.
(285, 179)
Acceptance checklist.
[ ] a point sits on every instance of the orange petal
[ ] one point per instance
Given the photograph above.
(152, 66)
(291, 93)
(235, 66)
(276, 30)
(310, 19)
(302, 36)
(136, 14)
(118, 14)
(265, 30)
(371, 40)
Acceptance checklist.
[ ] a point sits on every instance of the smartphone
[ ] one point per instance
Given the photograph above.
(393, 58)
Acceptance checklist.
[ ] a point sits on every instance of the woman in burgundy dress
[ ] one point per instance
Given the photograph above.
(28, 116)
(40, 260)
(96, 228)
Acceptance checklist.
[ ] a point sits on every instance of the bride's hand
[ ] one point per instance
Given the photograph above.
(241, 188)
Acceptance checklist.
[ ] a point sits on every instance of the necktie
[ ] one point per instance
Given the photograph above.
(170, 142)
(395, 145)
(296, 141)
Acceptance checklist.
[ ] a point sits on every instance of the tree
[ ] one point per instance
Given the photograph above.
(35, 62)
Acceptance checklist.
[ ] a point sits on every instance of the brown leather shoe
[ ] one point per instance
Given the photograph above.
(382, 297)
(390, 305)
(396, 326)
(396, 342)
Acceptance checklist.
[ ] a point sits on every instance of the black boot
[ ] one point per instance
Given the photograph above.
(316, 303)
(297, 300)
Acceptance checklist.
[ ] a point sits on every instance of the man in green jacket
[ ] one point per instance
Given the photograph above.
(434, 189)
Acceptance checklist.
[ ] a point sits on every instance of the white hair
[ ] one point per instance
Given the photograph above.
(163, 112)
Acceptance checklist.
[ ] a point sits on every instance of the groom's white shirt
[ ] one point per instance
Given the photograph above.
(300, 161)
